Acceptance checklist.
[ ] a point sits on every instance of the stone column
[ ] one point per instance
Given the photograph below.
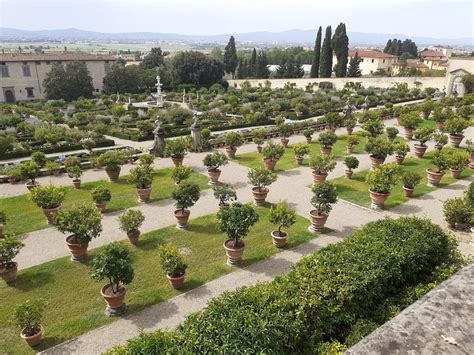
(196, 139)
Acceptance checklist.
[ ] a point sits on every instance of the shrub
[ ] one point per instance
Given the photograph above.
(186, 195)
(327, 139)
(71, 161)
(457, 210)
(235, 221)
(373, 127)
(39, 158)
(130, 221)
(352, 140)
(181, 173)
(322, 164)
(379, 147)
(308, 133)
(83, 221)
(52, 167)
(3, 217)
(261, 177)
(114, 264)
(177, 148)
(28, 316)
(29, 170)
(141, 176)
(351, 162)
(382, 178)
(423, 134)
(101, 194)
(333, 119)
(74, 172)
(440, 139)
(401, 149)
(410, 179)
(441, 160)
(391, 132)
(410, 119)
(224, 193)
(282, 215)
(146, 159)
(469, 195)
(172, 262)
(458, 159)
(112, 161)
(233, 140)
(441, 114)
(285, 130)
(301, 149)
(49, 196)
(456, 126)
(215, 160)
(324, 196)
(10, 246)
(273, 151)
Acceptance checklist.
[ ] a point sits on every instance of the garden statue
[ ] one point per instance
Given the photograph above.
(348, 109)
(159, 144)
(184, 96)
(366, 104)
(159, 96)
(455, 92)
(118, 98)
(196, 134)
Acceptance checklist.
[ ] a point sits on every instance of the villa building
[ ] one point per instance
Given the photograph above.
(372, 61)
(22, 74)
(435, 59)
(410, 64)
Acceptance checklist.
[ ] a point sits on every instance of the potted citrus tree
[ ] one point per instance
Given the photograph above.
(351, 163)
(181, 173)
(272, 152)
(401, 150)
(28, 316)
(49, 198)
(130, 222)
(381, 181)
(470, 149)
(441, 115)
(83, 223)
(308, 134)
(260, 178)
(410, 179)
(224, 193)
(426, 108)
(456, 211)
(39, 158)
(458, 161)
(259, 138)
(142, 177)
(378, 148)
(235, 221)
(185, 195)
(285, 131)
(374, 127)
(322, 165)
(112, 162)
(350, 124)
(213, 162)
(301, 150)
(422, 135)
(101, 195)
(441, 161)
(324, 196)
(440, 140)
(455, 127)
(392, 133)
(352, 142)
(75, 173)
(282, 216)
(177, 149)
(173, 264)
(10, 246)
(327, 140)
(410, 121)
(113, 263)
(232, 141)
(30, 170)
(3, 220)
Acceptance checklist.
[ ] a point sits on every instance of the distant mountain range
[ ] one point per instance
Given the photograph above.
(290, 36)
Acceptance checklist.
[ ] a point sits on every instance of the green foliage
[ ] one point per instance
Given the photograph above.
(235, 220)
(3, 217)
(352, 140)
(317, 55)
(457, 210)
(456, 125)
(351, 162)
(230, 57)
(28, 316)
(392, 132)
(131, 220)
(49, 196)
(301, 149)
(324, 196)
(186, 195)
(441, 159)
(285, 130)
(68, 82)
(74, 172)
(469, 195)
(71, 161)
(113, 263)
(340, 44)
(141, 176)
(282, 215)
(424, 134)
(401, 149)
(153, 59)
(410, 119)
(382, 178)
(29, 170)
(379, 147)
(177, 148)
(354, 70)
(224, 193)
(442, 114)
(372, 115)
(261, 177)
(322, 164)
(215, 160)
(39, 158)
(273, 151)
(101, 194)
(146, 159)
(308, 133)
(7, 143)
(373, 127)
(325, 66)
(440, 139)
(10, 246)
(458, 159)
(172, 262)
(112, 161)
(327, 139)
(410, 179)
(83, 221)
(181, 173)
(233, 140)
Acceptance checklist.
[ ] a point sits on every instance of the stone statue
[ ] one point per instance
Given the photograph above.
(184, 96)
(196, 134)
(455, 92)
(366, 104)
(159, 95)
(195, 121)
(159, 144)
(118, 98)
(348, 109)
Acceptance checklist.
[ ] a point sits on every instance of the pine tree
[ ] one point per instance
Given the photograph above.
(354, 67)
(317, 55)
(230, 57)
(340, 44)
(325, 66)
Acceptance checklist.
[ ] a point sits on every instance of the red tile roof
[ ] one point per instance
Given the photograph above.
(52, 56)
(364, 53)
(427, 54)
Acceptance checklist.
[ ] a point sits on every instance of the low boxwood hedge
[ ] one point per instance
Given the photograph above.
(323, 300)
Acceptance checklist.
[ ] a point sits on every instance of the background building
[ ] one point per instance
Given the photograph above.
(372, 61)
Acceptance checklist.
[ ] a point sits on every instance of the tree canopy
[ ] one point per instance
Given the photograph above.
(68, 82)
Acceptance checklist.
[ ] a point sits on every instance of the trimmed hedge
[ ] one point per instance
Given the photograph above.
(319, 301)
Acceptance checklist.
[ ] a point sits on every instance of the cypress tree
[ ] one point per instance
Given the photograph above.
(240, 68)
(325, 66)
(388, 47)
(253, 63)
(230, 57)
(340, 44)
(354, 67)
(261, 66)
(317, 55)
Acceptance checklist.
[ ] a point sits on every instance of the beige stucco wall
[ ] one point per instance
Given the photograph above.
(370, 65)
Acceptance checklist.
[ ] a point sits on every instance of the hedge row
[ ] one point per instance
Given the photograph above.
(318, 301)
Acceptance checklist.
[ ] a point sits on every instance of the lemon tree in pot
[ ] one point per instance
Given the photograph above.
(392, 133)
(49, 198)
(282, 216)
(308, 134)
(224, 193)
(457, 212)
(401, 150)
(181, 173)
(378, 148)
(285, 131)
(422, 135)
(185, 195)
(272, 152)
(232, 141)
(213, 162)
(28, 316)
(324, 196)
(112, 162)
(455, 127)
(426, 108)
(352, 141)
(350, 124)
(458, 160)
(410, 121)
(30, 170)
(173, 264)
(410, 179)
(322, 165)
(10, 246)
(130, 222)
(3, 220)
(374, 127)
(470, 149)
(441, 115)
(235, 221)
(258, 137)
(114, 264)
(440, 140)
(327, 140)
(381, 181)
(177, 149)
(301, 150)
(101, 195)
(260, 178)
(142, 177)
(440, 159)
(351, 163)
(83, 222)
(75, 173)
(39, 158)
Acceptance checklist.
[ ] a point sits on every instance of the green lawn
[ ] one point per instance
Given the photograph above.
(428, 123)
(24, 216)
(356, 190)
(74, 305)
(255, 159)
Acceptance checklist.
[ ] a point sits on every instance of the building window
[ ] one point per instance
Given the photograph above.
(4, 72)
(384, 60)
(26, 70)
(362, 60)
(29, 92)
(373, 60)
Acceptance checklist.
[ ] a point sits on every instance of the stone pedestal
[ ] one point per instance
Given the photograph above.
(196, 139)
(159, 145)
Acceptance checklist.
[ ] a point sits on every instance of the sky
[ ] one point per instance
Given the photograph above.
(428, 18)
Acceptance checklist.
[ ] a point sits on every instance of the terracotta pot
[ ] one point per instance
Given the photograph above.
(144, 194)
(399, 159)
(270, 164)
(299, 160)
(50, 213)
(378, 199)
(420, 150)
(408, 192)
(409, 133)
(425, 114)
(350, 149)
(309, 139)
(115, 304)
(440, 126)
(349, 174)
(455, 173)
(214, 175)
(32, 340)
(231, 152)
(375, 162)
(234, 254)
(101, 206)
(349, 130)
(113, 174)
(182, 218)
(455, 140)
(260, 195)
(285, 142)
(30, 186)
(326, 151)
(77, 183)
(317, 221)
(319, 177)
(176, 282)
(133, 236)
(434, 177)
(8, 273)
(279, 240)
(78, 251)
(259, 148)
(177, 161)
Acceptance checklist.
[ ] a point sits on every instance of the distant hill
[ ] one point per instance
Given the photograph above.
(290, 36)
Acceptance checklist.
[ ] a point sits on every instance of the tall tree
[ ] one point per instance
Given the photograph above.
(69, 83)
(192, 67)
(253, 63)
(230, 57)
(340, 45)
(354, 66)
(325, 66)
(261, 70)
(388, 47)
(153, 59)
(317, 55)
